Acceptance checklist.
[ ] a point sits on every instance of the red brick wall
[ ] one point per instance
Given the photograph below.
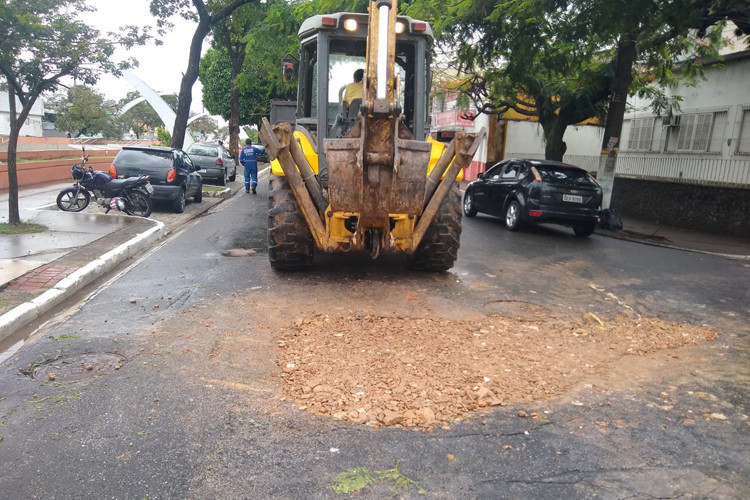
(31, 173)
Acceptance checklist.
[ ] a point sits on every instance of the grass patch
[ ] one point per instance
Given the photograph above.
(63, 337)
(358, 479)
(22, 228)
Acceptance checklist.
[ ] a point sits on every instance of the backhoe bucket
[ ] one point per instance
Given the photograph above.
(377, 189)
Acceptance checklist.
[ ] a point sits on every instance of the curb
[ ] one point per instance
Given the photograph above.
(23, 314)
(609, 233)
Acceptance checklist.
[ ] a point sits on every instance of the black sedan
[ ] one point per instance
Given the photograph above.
(536, 191)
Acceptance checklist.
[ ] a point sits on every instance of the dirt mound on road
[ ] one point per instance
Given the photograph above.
(399, 371)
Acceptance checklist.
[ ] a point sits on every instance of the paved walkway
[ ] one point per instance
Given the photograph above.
(38, 270)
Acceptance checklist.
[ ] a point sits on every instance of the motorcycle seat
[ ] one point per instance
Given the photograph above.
(118, 184)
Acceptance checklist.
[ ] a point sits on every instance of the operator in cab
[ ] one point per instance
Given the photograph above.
(353, 90)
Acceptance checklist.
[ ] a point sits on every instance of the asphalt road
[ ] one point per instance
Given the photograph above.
(164, 387)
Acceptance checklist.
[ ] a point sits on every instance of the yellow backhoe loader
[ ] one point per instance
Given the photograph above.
(361, 177)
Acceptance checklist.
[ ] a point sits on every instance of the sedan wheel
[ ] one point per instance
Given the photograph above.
(469, 209)
(178, 205)
(583, 230)
(513, 216)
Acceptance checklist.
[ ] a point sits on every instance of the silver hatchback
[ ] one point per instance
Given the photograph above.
(213, 162)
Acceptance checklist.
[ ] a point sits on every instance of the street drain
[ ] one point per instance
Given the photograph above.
(517, 310)
(81, 366)
(240, 252)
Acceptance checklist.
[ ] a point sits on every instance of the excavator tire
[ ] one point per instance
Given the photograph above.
(438, 249)
(291, 246)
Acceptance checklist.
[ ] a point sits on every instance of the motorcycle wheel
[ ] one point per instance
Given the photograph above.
(71, 201)
(138, 204)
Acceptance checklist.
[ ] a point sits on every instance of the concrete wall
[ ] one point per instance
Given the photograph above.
(525, 139)
(717, 210)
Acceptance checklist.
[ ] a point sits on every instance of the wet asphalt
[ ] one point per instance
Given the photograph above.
(161, 427)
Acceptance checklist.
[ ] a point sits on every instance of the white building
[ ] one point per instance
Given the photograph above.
(707, 142)
(31, 127)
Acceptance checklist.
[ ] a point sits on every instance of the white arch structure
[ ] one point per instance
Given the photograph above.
(137, 101)
(193, 118)
(160, 106)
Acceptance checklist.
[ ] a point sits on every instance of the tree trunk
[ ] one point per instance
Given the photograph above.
(14, 216)
(626, 51)
(16, 121)
(555, 147)
(188, 80)
(237, 57)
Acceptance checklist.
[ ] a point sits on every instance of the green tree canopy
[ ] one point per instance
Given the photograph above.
(554, 60)
(269, 32)
(82, 112)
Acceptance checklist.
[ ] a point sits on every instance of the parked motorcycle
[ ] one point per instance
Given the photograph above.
(131, 195)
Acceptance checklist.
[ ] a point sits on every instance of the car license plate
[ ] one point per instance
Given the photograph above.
(573, 198)
(150, 188)
(202, 171)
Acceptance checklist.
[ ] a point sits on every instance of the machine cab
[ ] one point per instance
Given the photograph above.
(333, 47)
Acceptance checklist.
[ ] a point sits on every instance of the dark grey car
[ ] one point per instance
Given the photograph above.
(213, 162)
(173, 175)
(536, 191)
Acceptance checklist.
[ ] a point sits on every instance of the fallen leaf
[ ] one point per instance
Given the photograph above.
(594, 317)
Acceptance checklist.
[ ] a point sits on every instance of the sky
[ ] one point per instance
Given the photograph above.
(161, 67)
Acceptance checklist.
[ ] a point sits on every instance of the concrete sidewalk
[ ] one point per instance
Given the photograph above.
(653, 233)
(37, 271)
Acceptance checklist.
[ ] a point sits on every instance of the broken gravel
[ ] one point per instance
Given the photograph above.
(420, 372)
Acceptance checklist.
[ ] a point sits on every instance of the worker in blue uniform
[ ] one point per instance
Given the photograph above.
(249, 159)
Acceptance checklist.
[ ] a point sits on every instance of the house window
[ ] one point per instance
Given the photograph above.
(641, 134)
(697, 132)
(743, 146)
